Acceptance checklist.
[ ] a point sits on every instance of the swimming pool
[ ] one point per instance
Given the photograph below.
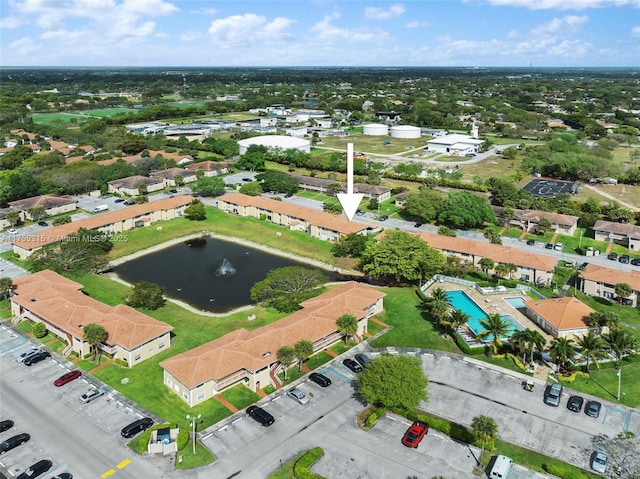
(516, 301)
(461, 300)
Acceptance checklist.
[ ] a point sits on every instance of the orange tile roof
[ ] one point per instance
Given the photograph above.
(253, 350)
(317, 218)
(602, 274)
(57, 233)
(498, 253)
(60, 301)
(46, 201)
(562, 313)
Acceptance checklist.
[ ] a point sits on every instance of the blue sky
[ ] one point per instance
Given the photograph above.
(211, 33)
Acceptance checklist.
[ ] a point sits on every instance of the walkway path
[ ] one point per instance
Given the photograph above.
(226, 403)
(102, 365)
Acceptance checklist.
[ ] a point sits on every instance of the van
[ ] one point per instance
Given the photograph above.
(100, 208)
(260, 415)
(501, 467)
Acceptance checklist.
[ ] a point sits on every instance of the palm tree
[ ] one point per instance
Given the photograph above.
(347, 326)
(457, 318)
(604, 319)
(501, 270)
(591, 347)
(13, 217)
(562, 350)
(484, 430)
(6, 285)
(486, 264)
(622, 291)
(496, 327)
(537, 342)
(286, 355)
(620, 343)
(303, 350)
(94, 334)
(438, 305)
(519, 341)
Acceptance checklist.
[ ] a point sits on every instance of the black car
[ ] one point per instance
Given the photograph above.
(135, 427)
(36, 358)
(260, 415)
(531, 242)
(363, 359)
(417, 225)
(575, 403)
(549, 246)
(320, 379)
(43, 223)
(63, 475)
(14, 442)
(353, 365)
(36, 469)
(612, 256)
(593, 408)
(635, 261)
(383, 218)
(624, 259)
(6, 425)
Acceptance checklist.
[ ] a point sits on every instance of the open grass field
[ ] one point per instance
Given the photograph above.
(373, 144)
(77, 116)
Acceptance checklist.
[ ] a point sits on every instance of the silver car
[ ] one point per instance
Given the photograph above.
(26, 354)
(92, 394)
(298, 396)
(599, 462)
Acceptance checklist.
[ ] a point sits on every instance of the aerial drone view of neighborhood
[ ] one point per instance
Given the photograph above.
(290, 271)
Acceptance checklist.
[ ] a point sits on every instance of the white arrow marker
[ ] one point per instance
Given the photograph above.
(350, 200)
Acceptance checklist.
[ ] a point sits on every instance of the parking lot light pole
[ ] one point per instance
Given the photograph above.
(619, 381)
(193, 420)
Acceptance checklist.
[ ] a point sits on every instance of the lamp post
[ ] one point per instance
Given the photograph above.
(193, 420)
(619, 380)
(580, 243)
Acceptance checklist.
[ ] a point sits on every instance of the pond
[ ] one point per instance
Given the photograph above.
(209, 274)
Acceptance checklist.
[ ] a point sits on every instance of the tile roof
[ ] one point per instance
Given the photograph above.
(618, 228)
(324, 183)
(498, 253)
(133, 181)
(57, 233)
(127, 159)
(536, 215)
(171, 173)
(46, 201)
(253, 350)
(562, 313)
(207, 165)
(61, 302)
(602, 274)
(318, 218)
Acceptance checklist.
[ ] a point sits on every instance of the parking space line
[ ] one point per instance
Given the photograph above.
(108, 473)
(124, 463)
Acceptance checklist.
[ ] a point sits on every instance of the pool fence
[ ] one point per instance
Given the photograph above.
(487, 290)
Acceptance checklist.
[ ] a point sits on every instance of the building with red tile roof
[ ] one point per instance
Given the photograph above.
(210, 168)
(130, 186)
(250, 357)
(561, 317)
(318, 224)
(52, 204)
(601, 281)
(60, 304)
(622, 233)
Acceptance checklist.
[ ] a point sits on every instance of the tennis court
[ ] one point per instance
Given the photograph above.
(548, 188)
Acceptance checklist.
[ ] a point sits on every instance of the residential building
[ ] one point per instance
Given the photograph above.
(60, 304)
(317, 224)
(321, 185)
(528, 220)
(601, 281)
(52, 205)
(130, 186)
(250, 357)
(112, 222)
(210, 168)
(561, 317)
(622, 233)
(171, 176)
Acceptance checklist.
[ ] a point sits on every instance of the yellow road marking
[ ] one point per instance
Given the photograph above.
(108, 473)
(124, 463)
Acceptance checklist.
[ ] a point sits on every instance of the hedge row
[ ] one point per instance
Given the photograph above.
(450, 428)
(374, 416)
(302, 467)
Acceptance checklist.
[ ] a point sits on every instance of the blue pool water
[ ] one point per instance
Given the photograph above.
(460, 300)
(516, 301)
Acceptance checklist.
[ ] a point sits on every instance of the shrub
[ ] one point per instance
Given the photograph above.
(182, 439)
(421, 295)
(562, 471)
(572, 376)
(302, 467)
(374, 416)
(39, 330)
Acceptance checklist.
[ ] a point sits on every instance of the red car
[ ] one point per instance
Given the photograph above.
(415, 433)
(67, 378)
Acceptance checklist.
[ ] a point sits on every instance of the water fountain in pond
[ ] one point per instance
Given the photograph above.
(225, 269)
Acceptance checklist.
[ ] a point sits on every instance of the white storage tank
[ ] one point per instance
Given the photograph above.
(375, 129)
(405, 131)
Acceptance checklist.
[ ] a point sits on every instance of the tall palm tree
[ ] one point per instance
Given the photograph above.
(495, 327)
(457, 318)
(603, 319)
(486, 264)
(286, 355)
(484, 430)
(347, 326)
(562, 350)
(303, 350)
(622, 291)
(620, 343)
(6, 286)
(519, 342)
(438, 305)
(591, 347)
(537, 342)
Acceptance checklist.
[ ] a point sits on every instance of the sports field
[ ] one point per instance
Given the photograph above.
(63, 118)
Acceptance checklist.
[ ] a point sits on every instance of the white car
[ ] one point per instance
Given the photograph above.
(92, 394)
(558, 246)
(298, 396)
(12, 231)
(600, 461)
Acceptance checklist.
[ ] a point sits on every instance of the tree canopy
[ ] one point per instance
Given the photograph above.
(285, 288)
(465, 210)
(145, 294)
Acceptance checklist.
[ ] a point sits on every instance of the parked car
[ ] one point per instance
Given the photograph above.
(600, 461)
(67, 378)
(43, 223)
(359, 212)
(36, 469)
(137, 426)
(6, 425)
(624, 259)
(260, 415)
(26, 354)
(548, 246)
(531, 242)
(247, 179)
(414, 434)
(418, 225)
(384, 218)
(119, 200)
(14, 442)
(298, 396)
(63, 475)
(363, 359)
(558, 246)
(553, 394)
(575, 403)
(635, 262)
(612, 256)
(320, 379)
(92, 394)
(352, 365)
(593, 408)
(12, 231)
(36, 358)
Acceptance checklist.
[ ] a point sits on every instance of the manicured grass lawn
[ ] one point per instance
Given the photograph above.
(340, 347)
(603, 382)
(318, 360)
(240, 396)
(187, 460)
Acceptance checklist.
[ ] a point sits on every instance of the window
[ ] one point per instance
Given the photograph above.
(169, 382)
(137, 357)
(185, 396)
(161, 345)
(200, 396)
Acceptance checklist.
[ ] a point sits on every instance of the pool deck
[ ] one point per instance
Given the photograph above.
(491, 304)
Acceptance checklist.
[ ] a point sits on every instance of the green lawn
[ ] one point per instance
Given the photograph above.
(240, 396)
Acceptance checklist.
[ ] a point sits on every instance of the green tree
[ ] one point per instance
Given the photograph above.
(303, 350)
(331, 207)
(37, 212)
(347, 326)
(208, 185)
(393, 382)
(457, 318)
(94, 334)
(39, 330)
(464, 210)
(145, 294)
(544, 225)
(195, 211)
(495, 328)
(278, 181)
(61, 220)
(251, 189)
(399, 257)
(486, 264)
(13, 217)
(562, 350)
(285, 288)
(423, 205)
(519, 342)
(591, 347)
(537, 343)
(484, 430)
(286, 356)
(6, 286)
(620, 343)
(604, 319)
(622, 291)
(438, 304)
(351, 244)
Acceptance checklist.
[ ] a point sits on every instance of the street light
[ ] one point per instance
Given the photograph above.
(193, 420)
(619, 380)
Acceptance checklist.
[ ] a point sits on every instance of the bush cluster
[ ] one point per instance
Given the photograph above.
(562, 471)
(374, 416)
(302, 467)
(39, 330)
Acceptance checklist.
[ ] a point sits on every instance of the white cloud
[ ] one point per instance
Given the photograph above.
(24, 47)
(416, 24)
(204, 11)
(570, 23)
(191, 36)
(12, 22)
(564, 4)
(325, 31)
(635, 31)
(250, 28)
(377, 13)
